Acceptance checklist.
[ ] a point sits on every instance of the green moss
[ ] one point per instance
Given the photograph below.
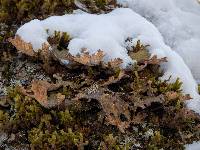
(101, 3)
(60, 39)
(96, 6)
(117, 72)
(58, 139)
(7, 72)
(4, 120)
(65, 117)
(164, 87)
(24, 9)
(67, 91)
(110, 142)
(45, 128)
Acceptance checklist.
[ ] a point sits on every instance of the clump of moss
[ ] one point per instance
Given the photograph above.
(60, 40)
(4, 119)
(44, 128)
(25, 9)
(13, 13)
(156, 113)
(96, 6)
(17, 11)
(58, 139)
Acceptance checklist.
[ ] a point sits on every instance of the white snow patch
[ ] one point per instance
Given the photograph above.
(193, 146)
(179, 23)
(108, 32)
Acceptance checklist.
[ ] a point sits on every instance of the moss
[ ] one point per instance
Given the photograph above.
(75, 124)
(96, 6)
(67, 91)
(4, 120)
(45, 128)
(56, 139)
(24, 9)
(164, 86)
(110, 142)
(156, 141)
(82, 124)
(65, 117)
(117, 72)
(7, 73)
(50, 128)
(101, 3)
(60, 39)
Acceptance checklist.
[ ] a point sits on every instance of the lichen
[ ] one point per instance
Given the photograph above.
(153, 105)
(156, 116)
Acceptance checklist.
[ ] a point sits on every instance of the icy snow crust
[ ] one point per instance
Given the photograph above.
(108, 32)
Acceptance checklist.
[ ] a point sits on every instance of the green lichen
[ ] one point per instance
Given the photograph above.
(58, 139)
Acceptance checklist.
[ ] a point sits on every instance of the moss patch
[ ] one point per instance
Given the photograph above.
(155, 115)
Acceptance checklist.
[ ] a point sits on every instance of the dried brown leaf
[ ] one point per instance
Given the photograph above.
(87, 59)
(144, 103)
(39, 90)
(172, 95)
(115, 63)
(4, 101)
(175, 95)
(138, 119)
(22, 46)
(84, 58)
(113, 79)
(187, 114)
(139, 55)
(112, 105)
(152, 61)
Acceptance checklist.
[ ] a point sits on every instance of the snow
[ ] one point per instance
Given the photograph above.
(108, 32)
(193, 146)
(179, 23)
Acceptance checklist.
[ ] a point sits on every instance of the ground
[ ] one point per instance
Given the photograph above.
(85, 106)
